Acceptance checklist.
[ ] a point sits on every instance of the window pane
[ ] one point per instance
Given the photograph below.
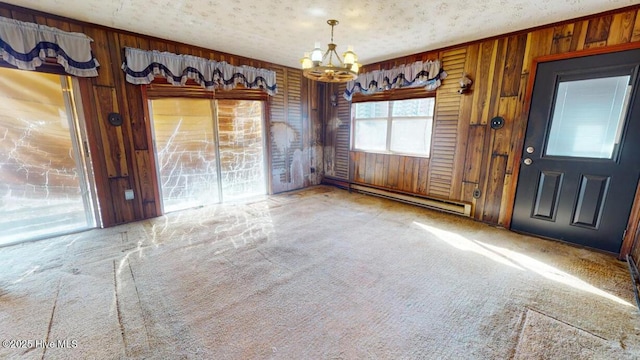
(414, 107)
(186, 151)
(411, 136)
(588, 117)
(371, 135)
(374, 109)
(41, 176)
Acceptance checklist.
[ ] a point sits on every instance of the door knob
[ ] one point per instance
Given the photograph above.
(528, 161)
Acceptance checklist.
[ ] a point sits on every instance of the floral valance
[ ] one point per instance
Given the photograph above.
(141, 67)
(27, 45)
(421, 73)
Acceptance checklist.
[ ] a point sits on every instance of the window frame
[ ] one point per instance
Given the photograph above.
(389, 119)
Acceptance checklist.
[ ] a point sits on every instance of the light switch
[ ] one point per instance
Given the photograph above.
(128, 194)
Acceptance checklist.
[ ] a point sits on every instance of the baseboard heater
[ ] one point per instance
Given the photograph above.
(454, 207)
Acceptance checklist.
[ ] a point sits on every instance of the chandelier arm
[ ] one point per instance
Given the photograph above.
(340, 63)
(326, 53)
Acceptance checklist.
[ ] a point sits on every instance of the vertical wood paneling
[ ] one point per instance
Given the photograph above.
(102, 53)
(519, 126)
(423, 177)
(473, 160)
(495, 185)
(598, 31)
(136, 116)
(562, 38)
(579, 35)
(504, 210)
(392, 177)
(513, 65)
(407, 174)
(123, 211)
(621, 29)
(379, 171)
(359, 166)
(482, 87)
(635, 33)
(502, 137)
(112, 136)
(538, 44)
(416, 176)
(467, 194)
(370, 167)
(145, 177)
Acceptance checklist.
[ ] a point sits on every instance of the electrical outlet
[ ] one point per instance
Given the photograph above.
(477, 193)
(128, 194)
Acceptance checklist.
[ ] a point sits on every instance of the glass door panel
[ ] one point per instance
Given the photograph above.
(44, 187)
(241, 148)
(185, 145)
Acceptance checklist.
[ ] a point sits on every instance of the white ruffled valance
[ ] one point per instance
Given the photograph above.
(27, 45)
(141, 67)
(421, 73)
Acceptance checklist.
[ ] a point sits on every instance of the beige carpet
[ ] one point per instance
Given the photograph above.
(315, 274)
(544, 337)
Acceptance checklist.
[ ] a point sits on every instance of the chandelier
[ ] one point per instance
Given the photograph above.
(314, 68)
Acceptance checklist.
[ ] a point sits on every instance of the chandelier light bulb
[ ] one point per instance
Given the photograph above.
(349, 57)
(306, 62)
(316, 54)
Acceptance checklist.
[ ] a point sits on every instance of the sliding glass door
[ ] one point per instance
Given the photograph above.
(45, 175)
(207, 151)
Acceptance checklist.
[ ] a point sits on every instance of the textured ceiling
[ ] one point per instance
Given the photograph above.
(280, 31)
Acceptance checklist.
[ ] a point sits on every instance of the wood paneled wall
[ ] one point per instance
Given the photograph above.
(122, 156)
(467, 155)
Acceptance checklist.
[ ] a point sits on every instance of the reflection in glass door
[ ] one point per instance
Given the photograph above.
(186, 154)
(207, 151)
(45, 182)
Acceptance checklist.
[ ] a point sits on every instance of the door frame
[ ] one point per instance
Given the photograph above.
(160, 89)
(634, 217)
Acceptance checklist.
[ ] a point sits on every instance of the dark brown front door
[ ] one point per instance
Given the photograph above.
(581, 157)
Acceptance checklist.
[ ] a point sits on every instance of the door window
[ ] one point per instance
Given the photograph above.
(588, 117)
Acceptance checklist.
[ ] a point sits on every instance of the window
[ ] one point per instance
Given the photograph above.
(588, 117)
(398, 127)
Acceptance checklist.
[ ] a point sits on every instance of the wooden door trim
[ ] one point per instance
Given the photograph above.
(151, 146)
(634, 217)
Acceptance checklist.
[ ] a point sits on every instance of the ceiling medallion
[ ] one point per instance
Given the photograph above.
(315, 68)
